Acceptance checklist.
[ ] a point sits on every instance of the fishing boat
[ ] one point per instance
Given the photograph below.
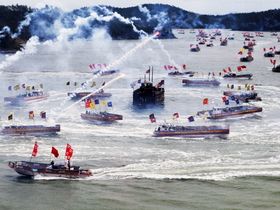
(101, 116)
(192, 131)
(79, 95)
(224, 112)
(243, 96)
(276, 68)
(34, 95)
(32, 169)
(194, 49)
(107, 72)
(248, 58)
(149, 94)
(237, 76)
(58, 169)
(177, 73)
(269, 54)
(201, 81)
(30, 130)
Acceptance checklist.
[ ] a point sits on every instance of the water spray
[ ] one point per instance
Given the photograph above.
(126, 55)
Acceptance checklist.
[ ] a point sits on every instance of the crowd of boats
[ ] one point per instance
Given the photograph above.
(146, 94)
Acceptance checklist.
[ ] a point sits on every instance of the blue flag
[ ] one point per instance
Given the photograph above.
(232, 98)
(191, 119)
(109, 104)
(237, 101)
(96, 101)
(227, 102)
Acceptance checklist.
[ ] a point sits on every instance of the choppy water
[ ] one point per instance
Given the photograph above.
(132, 169)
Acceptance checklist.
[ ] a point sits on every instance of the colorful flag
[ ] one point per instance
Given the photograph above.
(109, 104)
(103, 103)
(16, 87)
(88, 104)
(152, 118)
(31, 115)
(96, 101)
(176, 115)
(10, 117)
(91, 105)
(55, 152)
(43, 114)
(205, 101)
(191, 119)
(35, 149)
(93, 84)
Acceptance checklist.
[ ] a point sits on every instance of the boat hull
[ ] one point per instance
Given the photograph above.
(148, 96)
(76, 96)
(33, 169)
(194, 131)
(238, 76)
(26, 98)
(201, 82)
(230, 112)
(245, 97)
(30, 130)
(101, 116)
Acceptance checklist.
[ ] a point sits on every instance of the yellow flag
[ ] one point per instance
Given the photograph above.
(28, 88)
(228, 86)
(248, 87)
(239, 87)
(41, 86)
(242, 50)
(93, 84)
(103, 103)
(91, 105)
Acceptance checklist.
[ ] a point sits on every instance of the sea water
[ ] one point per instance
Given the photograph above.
(131, 168)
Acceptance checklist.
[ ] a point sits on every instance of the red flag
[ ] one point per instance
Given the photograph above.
(176, 115)
(148, 71)
(152, 118)
(205, 101)
(184, 66)
(252, 87)
(68, 151)
(243, 67)
(88, 104)
(239, 68)
(35, 149)
(225, 70)
(240, 53)
(229, 69)
(224, 98)
(103, 84)
(55, 152)
(264, 49)
(165, 67)
(90, 66)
